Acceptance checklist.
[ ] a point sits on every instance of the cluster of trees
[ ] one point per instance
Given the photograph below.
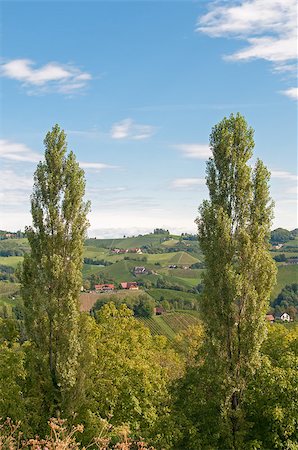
(281, 235)
(281, 257)
(7, 273)
(141, 305)
(161, 231)
(97, 262)
(179, 247)
(11, 252)
(228, 387)
(287, 301)
(189, 237)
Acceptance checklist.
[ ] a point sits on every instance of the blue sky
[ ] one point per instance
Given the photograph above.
(137, 86)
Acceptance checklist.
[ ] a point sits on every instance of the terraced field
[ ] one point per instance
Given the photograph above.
(170, 324)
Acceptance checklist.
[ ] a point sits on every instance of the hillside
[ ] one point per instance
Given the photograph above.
(167, 260)
(171, 323)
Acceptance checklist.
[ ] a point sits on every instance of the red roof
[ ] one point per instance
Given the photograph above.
(129, 285)
(100, 287)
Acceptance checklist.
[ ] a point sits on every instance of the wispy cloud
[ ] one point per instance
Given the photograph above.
(196, 151)
(95, 166)
(283, 175)
(52, 77)
(14, 189)
(18, 152)
(128, 129)
(86, 134)
(11, 180)
(188, 183)
(291, 93)
(269, 27)
(15, 151)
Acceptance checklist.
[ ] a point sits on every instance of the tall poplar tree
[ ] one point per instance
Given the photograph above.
(233, 231)
(51, 276)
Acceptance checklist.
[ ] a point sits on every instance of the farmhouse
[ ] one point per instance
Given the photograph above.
(277, 246)
(158, 310)
(284, 317)
(104, 287)
(118, 251)
(130, 285)
(270, 318)
(140, 270)
(134, 250)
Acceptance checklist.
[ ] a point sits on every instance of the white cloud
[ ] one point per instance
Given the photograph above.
(196, 151)
(268, 26)
(128, 129)
(95, 166)
(291, 93)
(187, 183)
(17, 152)
(52, 77)
(283, 175)
(10, 180)
(14, 190)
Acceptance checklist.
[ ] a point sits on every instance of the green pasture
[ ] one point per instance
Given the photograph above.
(129, 242)
(185, 273)
(120, 271)
(11, 261)
(170, 243)
(285, 275)
(15, 244)
(189, 282)
(183, 258)
(170, 294)
(7, 288)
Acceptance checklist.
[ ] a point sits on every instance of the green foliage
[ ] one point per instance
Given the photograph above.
(139, 302)
(51, 276)
(144, 307)
(287, 301)
(129, 382)
(271, 400)
(233, 231)
(281, 235)
(12, 377)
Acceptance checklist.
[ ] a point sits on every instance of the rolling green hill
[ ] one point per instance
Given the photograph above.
(121, 269)
(285, 275)
(183, 258)
(129, 242)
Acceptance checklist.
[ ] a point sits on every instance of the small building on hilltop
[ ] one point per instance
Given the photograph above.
(104, 287)
(285, 317)
(270, 318)
(135, 250)
(118, 251)
(158, 310)
(130, 285)
(140, 270)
